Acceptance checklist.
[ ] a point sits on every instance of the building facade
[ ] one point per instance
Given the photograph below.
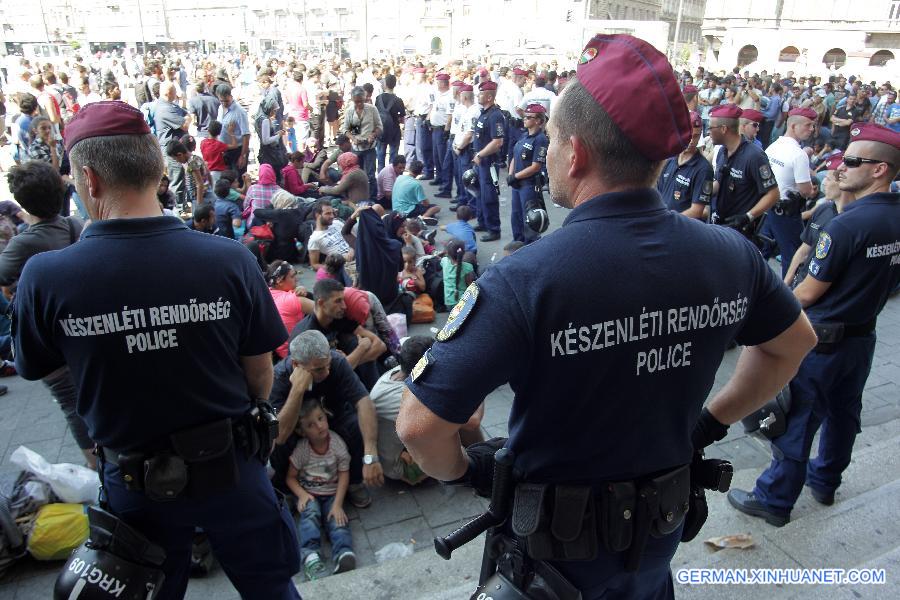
(818, 37)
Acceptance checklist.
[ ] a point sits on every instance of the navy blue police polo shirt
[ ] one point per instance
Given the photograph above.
(821, 216)
(683, 185)
(153, 349)
(530, 149)
(608, 380)
(858, 252)
(743, 178)
(490, 126)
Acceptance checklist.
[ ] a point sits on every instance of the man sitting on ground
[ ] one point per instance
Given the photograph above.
(408, 195)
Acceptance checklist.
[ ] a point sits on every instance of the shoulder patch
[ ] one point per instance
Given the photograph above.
(426, 361)
(823, 246)
(707, 187)
(542, 152)
(499, 130)
(459, 314)
(765, 172)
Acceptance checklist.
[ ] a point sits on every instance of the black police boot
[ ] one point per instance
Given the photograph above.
(479, 228)
(826, 498)
(492, 236)
(747, 503)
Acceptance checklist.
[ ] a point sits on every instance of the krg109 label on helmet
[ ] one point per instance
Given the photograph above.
(92, 574)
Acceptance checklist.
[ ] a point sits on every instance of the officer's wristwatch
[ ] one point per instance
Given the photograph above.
(370, 459)
(750, 216)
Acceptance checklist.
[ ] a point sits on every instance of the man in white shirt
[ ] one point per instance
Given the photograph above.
(441, 110)
(790, 165)
(462, 145)
(509, 95)
(424, 99)
(539, 94)
(327, 237)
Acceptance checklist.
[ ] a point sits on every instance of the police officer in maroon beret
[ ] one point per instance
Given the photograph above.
(855, 267)
(745, 187)
(609, 344)
(182, 439)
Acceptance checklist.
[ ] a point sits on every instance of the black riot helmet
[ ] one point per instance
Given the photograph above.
(537, 220)
(470, 180)
(116, 561)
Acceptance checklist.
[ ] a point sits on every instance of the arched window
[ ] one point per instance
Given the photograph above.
(835, 58)
(789, 54)
(747, 55)
(880, 58)
(436, 45)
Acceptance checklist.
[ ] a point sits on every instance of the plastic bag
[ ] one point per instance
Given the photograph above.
(397, 322)
(393, 550)
(72, 483)
(58, 530)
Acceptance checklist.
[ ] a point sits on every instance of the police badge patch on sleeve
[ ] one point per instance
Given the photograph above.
(707, 187)
(823, 246)
(765, 172)
(542, 153)
(426, 361)
(499, 130)
(459, 313)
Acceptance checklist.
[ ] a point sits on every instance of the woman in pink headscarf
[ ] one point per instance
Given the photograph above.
(260, 194)
(354, 184)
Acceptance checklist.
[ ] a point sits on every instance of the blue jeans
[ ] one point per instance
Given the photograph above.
(367, 163)
(827, 393)
(382, 150)
(312, 517)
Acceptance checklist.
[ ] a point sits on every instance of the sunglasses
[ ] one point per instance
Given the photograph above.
(754, 125)
(852, 162)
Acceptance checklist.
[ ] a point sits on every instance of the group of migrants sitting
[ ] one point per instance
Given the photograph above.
(339, 377)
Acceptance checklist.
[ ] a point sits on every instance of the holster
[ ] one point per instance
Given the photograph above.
(830, 335)
(662, 503)
(790, 206)
(209, 453)
(557, 522)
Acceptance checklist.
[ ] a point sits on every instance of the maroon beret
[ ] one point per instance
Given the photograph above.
(611, 63)
(696, 121)
(804, 112)
(518, 71)
(104, 118)
(834, 161)
(752, 115)
(690, 89)
(726, 111)
(870, 132)
(419, 70)
(466, 88)
(537, 109)
(457, 83)
(442, 76)
(487, 86)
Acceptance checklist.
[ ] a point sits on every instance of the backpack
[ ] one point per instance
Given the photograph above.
(434, 282)
(423, 309)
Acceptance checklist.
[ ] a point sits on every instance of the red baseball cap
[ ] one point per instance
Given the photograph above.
(466, 88)
(102, 119)
(442, 76)
(726, 111)
(611, 63)
(457, 83)
(537, 109)
(487, 86)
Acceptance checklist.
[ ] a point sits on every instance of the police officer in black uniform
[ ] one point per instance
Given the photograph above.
(609, 383)
(855, 267)
(686, 182)
(529, 155)
(488, 134)
(745, 187)
(169, 366)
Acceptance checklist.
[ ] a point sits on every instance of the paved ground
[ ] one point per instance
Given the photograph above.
(399, 513)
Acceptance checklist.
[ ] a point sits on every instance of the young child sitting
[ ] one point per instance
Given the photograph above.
(319, 475)
(457, 273)
(333, 268)
(411, 278)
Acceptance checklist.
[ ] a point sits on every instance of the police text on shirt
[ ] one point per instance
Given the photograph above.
(597, 336)
(137, 319)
